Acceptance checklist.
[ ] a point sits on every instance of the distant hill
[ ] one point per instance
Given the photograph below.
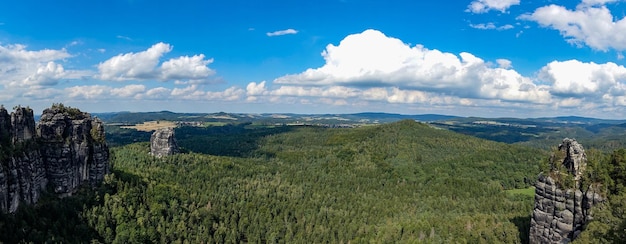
(536, 132)
(580, 120)
(139, 117)
(419, 117)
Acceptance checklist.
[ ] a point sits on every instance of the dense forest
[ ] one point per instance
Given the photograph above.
(399, 182)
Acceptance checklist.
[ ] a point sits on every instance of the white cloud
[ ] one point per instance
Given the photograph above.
(128, 91)
(573, 78)
(570, 102)
(47, 75)
(597, 2)
(139, 92)
(230, 94)
(591, 24)
(20, 67)
(95, 92)
(42, 93)
(145, 66)
(282, 32)
(187, 91)
(484, 6)
(193, 92)
(504, 63)
(192, 68)
(302, 91)
(491, 26)
(18, 53)
(371, 59)
(400, 96)
(254, 89)
(124, 37)
(158, 93)
(341, 95)
(134, 66)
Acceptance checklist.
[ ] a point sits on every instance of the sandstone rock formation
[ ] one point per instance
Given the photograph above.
(163, 143)
(65, 149)
(73, 149)
(562, 207)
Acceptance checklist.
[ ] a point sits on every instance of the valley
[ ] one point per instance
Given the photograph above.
(337, 178)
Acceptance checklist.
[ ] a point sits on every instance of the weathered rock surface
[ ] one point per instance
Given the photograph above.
(163, 143)
(65, 150)
(560, 212)
(73, 149)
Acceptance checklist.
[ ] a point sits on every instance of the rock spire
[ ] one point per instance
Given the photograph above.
(163, 142)
(64, 150)
(562, 206)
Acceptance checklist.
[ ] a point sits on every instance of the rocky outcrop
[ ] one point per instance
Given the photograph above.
(562, 206)
(73, 149)
(22, 175)
(65, 150)
(573, 158)
(163, 143)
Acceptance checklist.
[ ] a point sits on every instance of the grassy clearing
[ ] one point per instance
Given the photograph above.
(530, 191)
(151, 125)
(207, 124)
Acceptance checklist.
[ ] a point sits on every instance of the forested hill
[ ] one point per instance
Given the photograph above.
(399, 182)
(411, 150)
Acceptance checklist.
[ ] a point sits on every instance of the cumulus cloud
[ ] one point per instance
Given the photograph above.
(371, 68)
(491, 26)
(591, 24)
(300, 91)
(95, 92)
(145, 66)
(46, 75)
(371, 59)
(158, 93)
(504, 63)
(128, 91)
(20, 67)
(573, 78)
(193, 68)
(230, 94)
(134, 66)
(141, 92)
(18, 53)
(597, 2)
(341, 95)
(484, 6)
(194, 92)
(42, 93)
(282, 32)
(254, 89)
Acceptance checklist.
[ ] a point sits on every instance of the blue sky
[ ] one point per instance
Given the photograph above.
(492, 58)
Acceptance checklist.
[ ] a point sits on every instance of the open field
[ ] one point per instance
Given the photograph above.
(151, 125)
(530, 191)
(207, 124)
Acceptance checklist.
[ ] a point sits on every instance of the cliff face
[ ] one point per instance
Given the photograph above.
(162, 142)
(73, 149)
(65, 150)
(562, 209)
